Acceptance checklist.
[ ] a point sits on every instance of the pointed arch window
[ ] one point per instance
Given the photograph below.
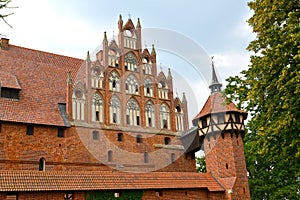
(131, 62)
(113, 58)
(97, 78)
(114, 82)
(130, 39)
(150, 114)
(97, 108)
(78, 104)
(179, 118)
(114, 110)
(131, 85)
(147, 66)
(148, 89)
(132, 113)
(164, 116)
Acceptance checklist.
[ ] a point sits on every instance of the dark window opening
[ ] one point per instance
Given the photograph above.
(136, 88)
(146, 157)
(114, 117)
(60, 132)
(204, 123)
(114, 84)
(237, 118)
(226, 165)
(126, 86)
(29, 130)
(126, 67)
(150, 121)
(109, 156)
(148, 90)
(10, 93)
(137, 120)
(97, 116)
(42, 163)
(159, 193)
(178, 109)
(95, 135)
(221, 119)
(120, 137)
(117, 65)
(173, 157)
(167, 140)
(127, 119)
(68, 196)
(138, 139)
(165, 123)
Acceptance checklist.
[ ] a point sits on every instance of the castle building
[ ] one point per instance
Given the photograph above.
(109, 126)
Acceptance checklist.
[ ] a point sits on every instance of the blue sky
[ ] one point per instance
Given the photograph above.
(72, 27)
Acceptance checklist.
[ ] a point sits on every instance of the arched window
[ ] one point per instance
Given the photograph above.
(164, 116)
(97, 78)
(114, 82)
(97, 108)
(42, 164)
(113, 58)
(130, 62)
(163, 90)
(131, 85)
(78, 104)
(114, 110)
(150, 115)
(148, 89)
(147, 66)
(179, 118)
(132, 113)
(109, 156)
(129, 39)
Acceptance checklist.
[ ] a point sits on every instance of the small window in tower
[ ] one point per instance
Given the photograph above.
(60, 132)
(138, 139)
(42, 164)
(167, 140)
(109, 156)
(221, 118)
(29, 130)
(204, 123)
(226, 165)
(173, 157)
(146, 157)
(120, 137)
(95, 135)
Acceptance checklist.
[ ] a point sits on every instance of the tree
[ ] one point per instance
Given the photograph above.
(201, 165)
(3, 6)
(270, 91)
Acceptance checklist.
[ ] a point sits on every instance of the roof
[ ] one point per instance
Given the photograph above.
(103, 180)
(41, 76)
(216, 103)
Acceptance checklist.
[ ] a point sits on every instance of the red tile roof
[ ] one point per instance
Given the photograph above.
(216, 103)
(41, 76)
(103, 180)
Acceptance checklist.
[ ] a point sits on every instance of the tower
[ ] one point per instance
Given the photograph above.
(221, 127)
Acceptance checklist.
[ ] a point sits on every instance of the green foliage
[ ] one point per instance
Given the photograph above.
(109, 195)
(270, 90)
(200, 164)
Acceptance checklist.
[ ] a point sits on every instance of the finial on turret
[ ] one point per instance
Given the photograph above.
(105, 36)
(215, 86)
(138, 23)
(120, 19)
(184, 98)
(88, 58)
(169, 74)
(69, 79)
(153, 50)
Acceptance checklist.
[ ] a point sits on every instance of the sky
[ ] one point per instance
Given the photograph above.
(73, 27)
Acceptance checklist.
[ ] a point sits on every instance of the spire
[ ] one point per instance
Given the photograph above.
(120, 22)
(169, 74)
(184, 98)
(105, 37)
(153, 50)
(215, 86)
(138, 23)
(69, 79)
(88, 58)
